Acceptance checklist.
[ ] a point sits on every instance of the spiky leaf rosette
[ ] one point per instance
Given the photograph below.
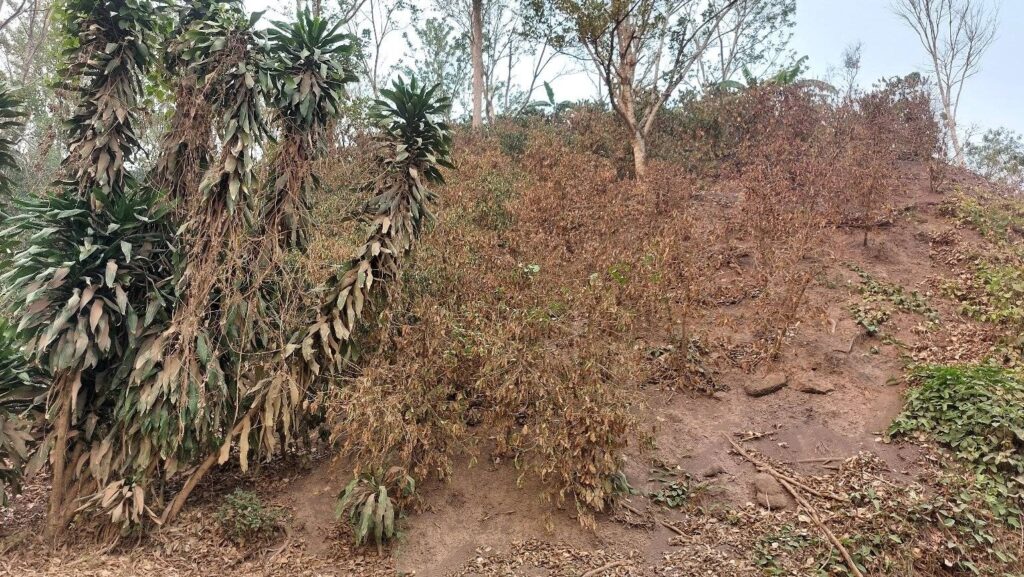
(310, 68)
(20, 392)
(416, 146)
(105, 70)
(11, 121)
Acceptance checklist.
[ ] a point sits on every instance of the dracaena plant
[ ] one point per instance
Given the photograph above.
(414, 145)
(201, 364)
(302, 79)
(105, 68)
(88, 267)
(310, 67)
(11, 117)
(89, 286)
(20, 394)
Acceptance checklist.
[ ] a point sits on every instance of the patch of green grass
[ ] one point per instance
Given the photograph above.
(977, 412)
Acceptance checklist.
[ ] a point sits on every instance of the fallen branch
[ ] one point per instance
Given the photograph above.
(811, 511)
(604, 568)
(671, 527)
(178, 502)
(818, 460)
(660, 521)
(762, 466)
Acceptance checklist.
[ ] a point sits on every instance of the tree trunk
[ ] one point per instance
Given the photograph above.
(477, 45)
(58, 458)
(626, 72)
(954, 138)
(639, 142)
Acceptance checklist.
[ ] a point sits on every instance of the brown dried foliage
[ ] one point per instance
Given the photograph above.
(527, 319)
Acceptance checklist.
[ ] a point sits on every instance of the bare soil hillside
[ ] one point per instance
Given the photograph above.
(811, 424)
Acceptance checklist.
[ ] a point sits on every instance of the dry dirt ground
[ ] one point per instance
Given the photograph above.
(482, 523)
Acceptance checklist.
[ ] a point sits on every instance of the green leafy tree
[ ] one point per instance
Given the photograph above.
(440, 56)
(999, 157)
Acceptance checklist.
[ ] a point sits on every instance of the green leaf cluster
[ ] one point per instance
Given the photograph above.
(978, 413)
(370, 509)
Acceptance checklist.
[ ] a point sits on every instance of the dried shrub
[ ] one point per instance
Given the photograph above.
(508, 333)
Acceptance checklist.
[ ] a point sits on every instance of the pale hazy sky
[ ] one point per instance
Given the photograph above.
(995, 97)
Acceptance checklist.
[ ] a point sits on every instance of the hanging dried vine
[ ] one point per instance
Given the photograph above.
(191, 373)
(187, 146)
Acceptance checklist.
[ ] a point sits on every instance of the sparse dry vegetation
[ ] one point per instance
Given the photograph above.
(694, 345)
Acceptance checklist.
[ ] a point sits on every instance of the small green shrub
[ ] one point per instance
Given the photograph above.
(677, 487)
(492, 206)
(990, 215)
(999, 157)
(244, 518)
(370, 509)
(870, 317)
(978, 413)
(513, 142)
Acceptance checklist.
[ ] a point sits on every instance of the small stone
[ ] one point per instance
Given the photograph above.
(713, 471)
(770, 384)
(817, 388)
(770, 494)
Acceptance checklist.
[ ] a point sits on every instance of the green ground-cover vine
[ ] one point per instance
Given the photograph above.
(977, 412)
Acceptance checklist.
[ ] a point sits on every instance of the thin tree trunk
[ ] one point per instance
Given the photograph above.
(477, 41)
(954, 138)
(626, 72)
(58, 458)
(639, 155)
